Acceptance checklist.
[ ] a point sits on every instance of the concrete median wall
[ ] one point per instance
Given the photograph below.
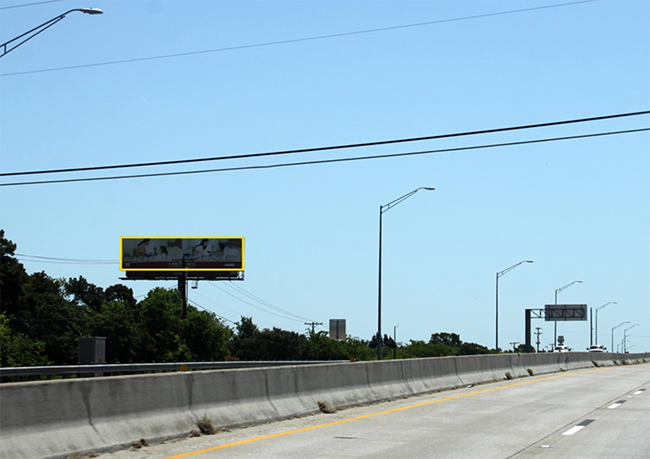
(57, 418)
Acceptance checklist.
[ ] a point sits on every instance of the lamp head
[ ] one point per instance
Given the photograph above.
(428, 188)
(91, 10)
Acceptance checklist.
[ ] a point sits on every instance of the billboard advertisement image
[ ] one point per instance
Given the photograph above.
(181, 253)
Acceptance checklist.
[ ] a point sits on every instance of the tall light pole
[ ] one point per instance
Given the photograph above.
(598, 309)
(556, 292)
(382, 209)
(395, 341)
(614, 328)
(41, 28)
(625, 337)
(499, 274)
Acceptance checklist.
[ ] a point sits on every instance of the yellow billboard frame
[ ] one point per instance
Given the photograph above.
(183, 259)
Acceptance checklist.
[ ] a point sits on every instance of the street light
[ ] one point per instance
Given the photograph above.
(499, 274)
(625, 337)
(598, 309)
(382, 209)
(622, 323)
(395, 341)
(41, 28)
(556, 292)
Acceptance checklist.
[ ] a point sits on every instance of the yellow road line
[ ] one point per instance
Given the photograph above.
(365, 416)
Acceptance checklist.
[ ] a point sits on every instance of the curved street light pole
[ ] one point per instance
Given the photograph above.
(556, 292)
(382, 209)
(499, 274)
(614, 328)
(625, 337)
(598, 309)
(41, 28)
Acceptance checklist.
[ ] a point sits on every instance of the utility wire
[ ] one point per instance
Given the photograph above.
(67, 260)
(326, 161)
(212, 312)
(332, 147)
(221, 306)
(29, 4)
(253, 305)
(298, 40)
(261, 301)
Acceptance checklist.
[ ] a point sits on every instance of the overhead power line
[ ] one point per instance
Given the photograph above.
(65, 260)
(241, 290)
(325, 161)
(212, 312)
(286, 313)
(298, 40)
(331, 147)
(30, 4)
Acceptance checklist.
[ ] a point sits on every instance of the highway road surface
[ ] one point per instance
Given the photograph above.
(596, 413)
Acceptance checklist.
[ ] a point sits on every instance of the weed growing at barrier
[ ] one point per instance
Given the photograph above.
(205, 426)
(137, 444)
(326, 408)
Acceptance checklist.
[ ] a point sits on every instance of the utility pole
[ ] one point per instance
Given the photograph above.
(538, 332)
(313, 326)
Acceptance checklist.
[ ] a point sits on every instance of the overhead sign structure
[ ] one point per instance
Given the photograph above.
(565, 312)
(553, 313)
(181, 253)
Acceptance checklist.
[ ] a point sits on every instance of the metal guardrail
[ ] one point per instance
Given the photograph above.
(53, 370)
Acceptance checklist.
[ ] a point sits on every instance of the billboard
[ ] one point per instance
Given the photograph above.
(181, 253)
(565, 312)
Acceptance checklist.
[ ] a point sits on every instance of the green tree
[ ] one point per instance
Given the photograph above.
(117, 323)
(321, 346)
(357, 349)
(84, 293)
(473, 348)
(420, 349)
(447, 339)
(389, 342)
(13, 278)
(205, 335)
(121, 293)
(246, 342)
(324, 348)
(50, 318)
(19, 350)
(162, 327)
(249, 343)
(278, 344)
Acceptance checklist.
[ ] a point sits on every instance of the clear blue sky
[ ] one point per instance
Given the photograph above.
(579, 208)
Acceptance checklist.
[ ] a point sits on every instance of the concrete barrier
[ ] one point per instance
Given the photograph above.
(57, 418)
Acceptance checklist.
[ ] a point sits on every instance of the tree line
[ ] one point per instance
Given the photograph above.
(43, 318)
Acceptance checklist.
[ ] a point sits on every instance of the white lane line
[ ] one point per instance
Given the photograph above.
(639, 392)
(616, 405)
(579, 427)
(573, 430)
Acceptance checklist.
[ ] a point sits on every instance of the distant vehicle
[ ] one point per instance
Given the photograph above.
(561, 348)
(596, 348)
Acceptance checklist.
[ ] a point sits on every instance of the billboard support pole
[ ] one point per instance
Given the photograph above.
(182, 287)
(528, 348)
